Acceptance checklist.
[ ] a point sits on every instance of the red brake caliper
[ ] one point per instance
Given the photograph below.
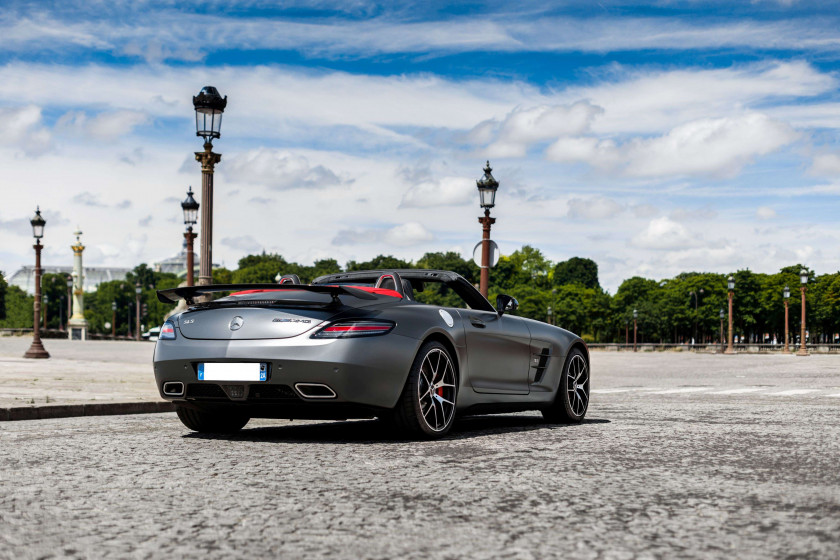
(440, 391)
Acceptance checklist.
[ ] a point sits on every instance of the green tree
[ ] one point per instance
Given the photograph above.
(18, 308)
(380, 262)
(577, 271)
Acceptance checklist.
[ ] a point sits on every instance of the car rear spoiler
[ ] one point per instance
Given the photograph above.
(190, 293)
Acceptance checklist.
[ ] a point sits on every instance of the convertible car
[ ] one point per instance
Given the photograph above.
(363, 345)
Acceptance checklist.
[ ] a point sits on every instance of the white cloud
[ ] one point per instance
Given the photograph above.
(104, 126)
(664, 234)
(712, 147)
(448, 191)
(403, 235)
(765, 213)
(22, 128)
(594, 208)
(244, 243)
(826, 164)
(278, 170)
(521, 128)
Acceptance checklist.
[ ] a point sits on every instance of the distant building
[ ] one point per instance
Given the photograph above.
(94, 275)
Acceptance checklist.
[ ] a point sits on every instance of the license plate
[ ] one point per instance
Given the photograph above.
(214, 371)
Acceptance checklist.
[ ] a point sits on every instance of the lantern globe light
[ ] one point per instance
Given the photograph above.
(635, 314)
(190, 208)
(803, 276)
(209, 107)
(113, 306)
(722, 314)
(730, 283)
(786, 292)
(38, 223)
(487, 187)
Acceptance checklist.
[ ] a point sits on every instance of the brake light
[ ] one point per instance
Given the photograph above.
(167, 331)
(351, 329)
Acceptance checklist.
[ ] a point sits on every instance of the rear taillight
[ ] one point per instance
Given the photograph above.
(167, 331)
(354, 328)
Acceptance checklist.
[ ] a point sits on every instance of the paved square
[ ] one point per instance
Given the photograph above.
(689, 456)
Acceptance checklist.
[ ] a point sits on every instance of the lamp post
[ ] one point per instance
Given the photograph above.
(626, 332)
(487, 187)
(549, 312)
(730, 286)
(137, 291)
(696, 296)
(61, 314)
(722, 314)
(803, 280)
(37, 350)
(635, 328)
(69, 279)
(46, 309)
(786, 294)
(209, 107)
(114, 320)
(190, 208)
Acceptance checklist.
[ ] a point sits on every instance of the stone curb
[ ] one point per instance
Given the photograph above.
(89, 409)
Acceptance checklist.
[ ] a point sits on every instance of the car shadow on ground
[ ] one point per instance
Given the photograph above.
(374, 431)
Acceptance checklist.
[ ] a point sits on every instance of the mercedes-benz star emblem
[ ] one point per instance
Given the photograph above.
(236, 323)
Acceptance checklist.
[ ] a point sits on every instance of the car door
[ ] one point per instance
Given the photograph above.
(498, 352)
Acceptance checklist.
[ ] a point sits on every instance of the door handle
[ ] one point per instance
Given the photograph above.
(477, 322)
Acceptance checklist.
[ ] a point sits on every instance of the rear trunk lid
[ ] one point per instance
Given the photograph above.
(244, 323)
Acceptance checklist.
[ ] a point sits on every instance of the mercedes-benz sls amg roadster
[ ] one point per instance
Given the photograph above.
(361, 345)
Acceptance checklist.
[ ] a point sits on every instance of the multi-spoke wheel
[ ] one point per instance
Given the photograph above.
(572, 397)
(427, 404)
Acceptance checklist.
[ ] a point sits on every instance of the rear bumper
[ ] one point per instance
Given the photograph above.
(365, 373)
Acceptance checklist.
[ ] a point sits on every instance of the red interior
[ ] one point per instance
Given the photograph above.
(369, 289)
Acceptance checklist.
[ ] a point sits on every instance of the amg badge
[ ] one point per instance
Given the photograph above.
(291, 321)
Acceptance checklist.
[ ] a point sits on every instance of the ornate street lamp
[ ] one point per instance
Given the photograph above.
(487, 187)
(803, 280)
(635, 328)
(786, 294)
(190, 208)
(209, 107)
(696, 295)
(137, 291)
(722, 315)
(730, 286)
(549, 312)
(46, 309)
(37, 350)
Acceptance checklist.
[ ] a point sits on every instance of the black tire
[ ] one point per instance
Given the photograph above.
(432, 382)
(572, 399)
(218, 422)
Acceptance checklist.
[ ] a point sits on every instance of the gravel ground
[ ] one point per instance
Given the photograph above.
(669, 463)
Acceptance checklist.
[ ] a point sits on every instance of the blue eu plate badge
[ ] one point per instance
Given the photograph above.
(231, 371)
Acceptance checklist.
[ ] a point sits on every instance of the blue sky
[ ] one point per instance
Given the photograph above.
(654, 137)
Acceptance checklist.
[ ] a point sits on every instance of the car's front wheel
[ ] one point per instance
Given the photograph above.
(215, 422)
(427, 405)
(572, 399)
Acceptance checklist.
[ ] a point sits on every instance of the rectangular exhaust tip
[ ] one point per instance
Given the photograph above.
(315, 391)
(173, 389)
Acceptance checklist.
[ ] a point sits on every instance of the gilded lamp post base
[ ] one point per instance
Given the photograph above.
(37, 351)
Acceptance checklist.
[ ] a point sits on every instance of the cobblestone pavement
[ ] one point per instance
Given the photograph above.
(93, 371)
(668, 464)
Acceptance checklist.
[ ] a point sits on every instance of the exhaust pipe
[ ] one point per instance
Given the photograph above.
(173, 389)
(315, 391)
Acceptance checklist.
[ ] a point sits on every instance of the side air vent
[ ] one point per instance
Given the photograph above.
(540, 363)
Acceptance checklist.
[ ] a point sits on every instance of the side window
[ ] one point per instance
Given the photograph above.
(437, 293)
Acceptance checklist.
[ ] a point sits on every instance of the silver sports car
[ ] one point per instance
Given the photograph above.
(360, 345)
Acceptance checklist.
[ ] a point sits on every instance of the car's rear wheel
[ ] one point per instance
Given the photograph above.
(572, 399)
(426, 407)
(215, 422)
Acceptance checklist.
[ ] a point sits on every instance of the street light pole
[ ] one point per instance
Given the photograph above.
(137, 291)
(114, 320)
(190, 207)
(209, 107)
(786, 294)
(722, 314)
(803, 278)
(46, 309)
(635, 328)
(730, 285)
(487, 187)
(37, 350)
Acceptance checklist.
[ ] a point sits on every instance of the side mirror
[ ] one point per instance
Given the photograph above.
(505, 303)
